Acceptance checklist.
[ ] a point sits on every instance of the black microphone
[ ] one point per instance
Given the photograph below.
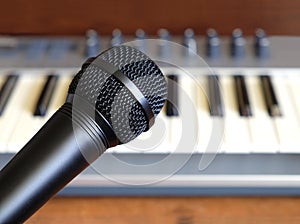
(113, 99)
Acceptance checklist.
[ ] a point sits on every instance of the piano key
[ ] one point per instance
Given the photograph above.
(184, 129)
(269, 96)
(287, 125)
(237, 133)
(60, 93)
(294, 85)
(12, 115)
(6, 90)
(58, 99)
(27, 124)
(163, 123)
(215, 102)
(9, 116)
(242, 96)
(2, 80)
(263, 132)
(172, 100)
(206, 140)
(173, 121)
(46, 96)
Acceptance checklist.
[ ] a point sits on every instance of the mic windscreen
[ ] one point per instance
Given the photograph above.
(112, 99)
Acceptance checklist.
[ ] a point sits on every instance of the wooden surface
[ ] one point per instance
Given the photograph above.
(76, 16)
(185, 210)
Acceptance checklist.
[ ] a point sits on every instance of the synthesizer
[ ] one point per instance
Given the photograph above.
(231, 124)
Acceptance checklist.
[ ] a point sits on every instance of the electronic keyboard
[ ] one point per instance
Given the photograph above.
(231, 124)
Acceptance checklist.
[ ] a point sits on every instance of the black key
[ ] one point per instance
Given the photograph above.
(172, 100)
(270, 96)
(6, 91)
(242, 96)
(46, 96)
(214, 96)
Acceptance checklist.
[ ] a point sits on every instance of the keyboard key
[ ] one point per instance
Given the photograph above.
(287, 125)
(60, 93)
(46, 96)
(9, 116)
(269, 96)
(210, 134)
(6, 91)
(215, 102)
(30, 87)
(263, 131)
(237, 130)
(242, 96)
(172, 100)
(184, 129)
(294, 84)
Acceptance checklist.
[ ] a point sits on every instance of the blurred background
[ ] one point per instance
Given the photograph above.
(43, 44)
(75, 17)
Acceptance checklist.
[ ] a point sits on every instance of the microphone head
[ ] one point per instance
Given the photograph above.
(98, 84)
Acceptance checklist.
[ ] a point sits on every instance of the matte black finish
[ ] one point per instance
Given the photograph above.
(7, 90)
(242, 96)
(270, 98)
(46, 96)
(214, 96)
(134, 90)
(50, 160)
(172, 101)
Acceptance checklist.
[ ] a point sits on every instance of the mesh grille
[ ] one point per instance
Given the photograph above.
(112, 99)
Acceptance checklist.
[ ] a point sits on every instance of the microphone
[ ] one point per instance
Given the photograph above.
(112, 99)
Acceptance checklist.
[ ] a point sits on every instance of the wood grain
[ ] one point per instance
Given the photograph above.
(164, 210)
(76, 16)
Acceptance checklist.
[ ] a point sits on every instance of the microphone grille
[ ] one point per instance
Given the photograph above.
(114, 101)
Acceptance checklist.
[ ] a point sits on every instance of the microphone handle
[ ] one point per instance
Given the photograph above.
(61, 149)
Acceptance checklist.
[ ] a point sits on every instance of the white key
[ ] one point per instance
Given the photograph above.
(294, 84)
(209, 140)
(58, 98)
(237, 135)
(2, 80)
(27, 125)
(184, 128)
(262, 127)
(9, 116)
(60, 93)
(287, 125)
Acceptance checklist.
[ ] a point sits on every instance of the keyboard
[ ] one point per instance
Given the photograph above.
(231, 124)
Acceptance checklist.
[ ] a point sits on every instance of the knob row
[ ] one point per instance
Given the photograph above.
(213, 43)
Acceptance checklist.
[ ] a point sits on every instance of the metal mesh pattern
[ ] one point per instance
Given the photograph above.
(112, 99)
(142, 71)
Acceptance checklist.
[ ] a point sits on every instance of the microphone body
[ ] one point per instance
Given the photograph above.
(50, 160)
